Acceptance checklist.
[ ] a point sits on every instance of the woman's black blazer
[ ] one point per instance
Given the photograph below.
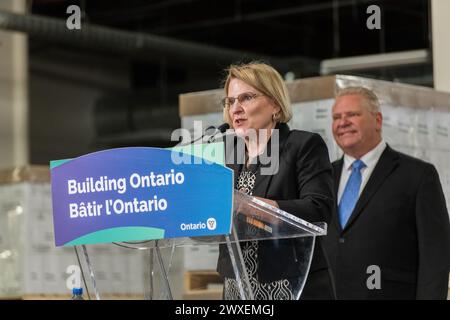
(302, 186)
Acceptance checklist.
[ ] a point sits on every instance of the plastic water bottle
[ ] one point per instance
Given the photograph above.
(77, 294)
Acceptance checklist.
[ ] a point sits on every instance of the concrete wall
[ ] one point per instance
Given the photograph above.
(13, 92)
(440, 11)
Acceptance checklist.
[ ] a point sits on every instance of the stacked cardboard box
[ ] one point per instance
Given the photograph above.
(32, 267)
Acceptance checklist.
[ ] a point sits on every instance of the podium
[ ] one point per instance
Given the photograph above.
(253, 220)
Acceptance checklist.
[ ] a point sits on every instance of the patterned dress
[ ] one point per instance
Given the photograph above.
(276, 290)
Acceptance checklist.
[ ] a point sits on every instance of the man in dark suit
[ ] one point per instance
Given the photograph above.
(390, 235)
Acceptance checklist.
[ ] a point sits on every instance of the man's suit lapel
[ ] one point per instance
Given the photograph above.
(386, 164)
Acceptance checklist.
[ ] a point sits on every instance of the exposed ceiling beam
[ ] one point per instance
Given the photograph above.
(94, 36)
(142, 45)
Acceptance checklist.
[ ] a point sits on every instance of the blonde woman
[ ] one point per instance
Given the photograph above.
(256, 103)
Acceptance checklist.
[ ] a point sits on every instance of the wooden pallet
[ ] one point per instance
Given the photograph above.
(202, 285)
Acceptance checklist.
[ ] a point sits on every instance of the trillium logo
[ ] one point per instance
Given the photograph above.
(211, 224)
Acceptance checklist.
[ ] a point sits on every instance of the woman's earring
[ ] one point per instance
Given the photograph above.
(274, 117)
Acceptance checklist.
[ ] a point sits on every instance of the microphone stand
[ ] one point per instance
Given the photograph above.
(221, 129)
(200, 138)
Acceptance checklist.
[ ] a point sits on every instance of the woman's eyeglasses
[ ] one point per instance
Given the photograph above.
(243, 99)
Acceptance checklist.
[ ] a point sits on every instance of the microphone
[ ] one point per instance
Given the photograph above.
(221, 129)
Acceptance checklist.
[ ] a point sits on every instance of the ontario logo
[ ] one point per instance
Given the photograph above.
(211, 224)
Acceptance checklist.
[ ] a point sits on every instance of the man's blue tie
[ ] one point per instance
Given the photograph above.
(351, 192)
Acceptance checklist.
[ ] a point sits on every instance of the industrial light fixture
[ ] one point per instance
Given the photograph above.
(394, 59)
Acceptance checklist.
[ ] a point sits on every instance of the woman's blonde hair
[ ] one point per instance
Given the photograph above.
(265, 79)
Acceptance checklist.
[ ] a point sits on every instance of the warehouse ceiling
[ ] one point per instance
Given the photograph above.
(195, 39)
(317, 29)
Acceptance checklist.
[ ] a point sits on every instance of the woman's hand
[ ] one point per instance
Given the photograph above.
(260, 213)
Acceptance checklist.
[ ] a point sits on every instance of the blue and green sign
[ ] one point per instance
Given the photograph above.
(131, 194)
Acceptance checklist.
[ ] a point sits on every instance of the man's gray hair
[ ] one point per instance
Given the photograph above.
(373, 104)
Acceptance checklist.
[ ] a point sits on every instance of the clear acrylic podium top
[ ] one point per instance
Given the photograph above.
(269, 222)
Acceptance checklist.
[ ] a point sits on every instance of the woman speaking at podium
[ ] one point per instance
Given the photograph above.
(256, 103)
